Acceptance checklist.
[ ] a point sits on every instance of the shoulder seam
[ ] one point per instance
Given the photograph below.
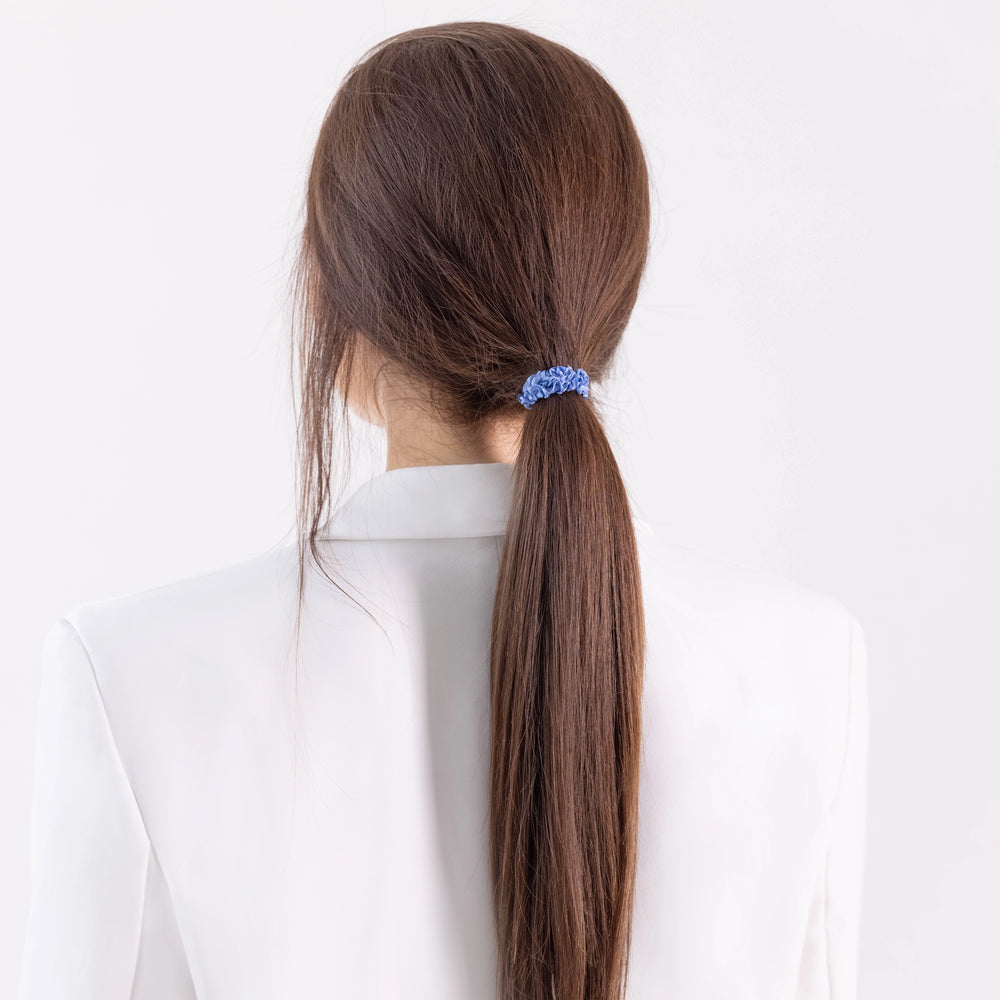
(128, 780)
(111, 732)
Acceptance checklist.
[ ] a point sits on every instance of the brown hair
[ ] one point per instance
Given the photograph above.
(477, 209)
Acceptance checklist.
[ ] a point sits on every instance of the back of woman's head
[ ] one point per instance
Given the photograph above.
(477, 210)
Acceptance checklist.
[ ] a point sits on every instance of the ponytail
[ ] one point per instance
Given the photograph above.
(566, 673)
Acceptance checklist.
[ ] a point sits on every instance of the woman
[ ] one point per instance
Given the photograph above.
(480, 733)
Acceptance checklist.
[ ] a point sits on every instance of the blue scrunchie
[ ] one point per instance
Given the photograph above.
(561, 378)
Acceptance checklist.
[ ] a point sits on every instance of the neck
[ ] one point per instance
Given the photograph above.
(416, 437)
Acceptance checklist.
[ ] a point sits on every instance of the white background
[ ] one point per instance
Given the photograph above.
(809, 382)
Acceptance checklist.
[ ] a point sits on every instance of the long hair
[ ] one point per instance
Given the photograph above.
(477, 209)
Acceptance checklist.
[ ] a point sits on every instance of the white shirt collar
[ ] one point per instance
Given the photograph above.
(427, 501)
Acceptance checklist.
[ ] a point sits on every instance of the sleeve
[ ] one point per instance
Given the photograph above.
(88, 843)
(829, 965)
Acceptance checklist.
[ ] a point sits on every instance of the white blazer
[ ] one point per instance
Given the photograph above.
(192, 835)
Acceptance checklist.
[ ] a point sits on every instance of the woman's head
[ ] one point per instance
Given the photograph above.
(477, 209)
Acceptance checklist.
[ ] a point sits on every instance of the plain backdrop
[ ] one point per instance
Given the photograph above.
(808, 384)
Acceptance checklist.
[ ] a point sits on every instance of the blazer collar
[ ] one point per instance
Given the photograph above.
(427, 501)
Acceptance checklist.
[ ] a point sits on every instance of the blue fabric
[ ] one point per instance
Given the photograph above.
(561, 378)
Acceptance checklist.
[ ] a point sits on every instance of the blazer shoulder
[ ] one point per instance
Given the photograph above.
(239, 593)
(715, 586)
(761, 638)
